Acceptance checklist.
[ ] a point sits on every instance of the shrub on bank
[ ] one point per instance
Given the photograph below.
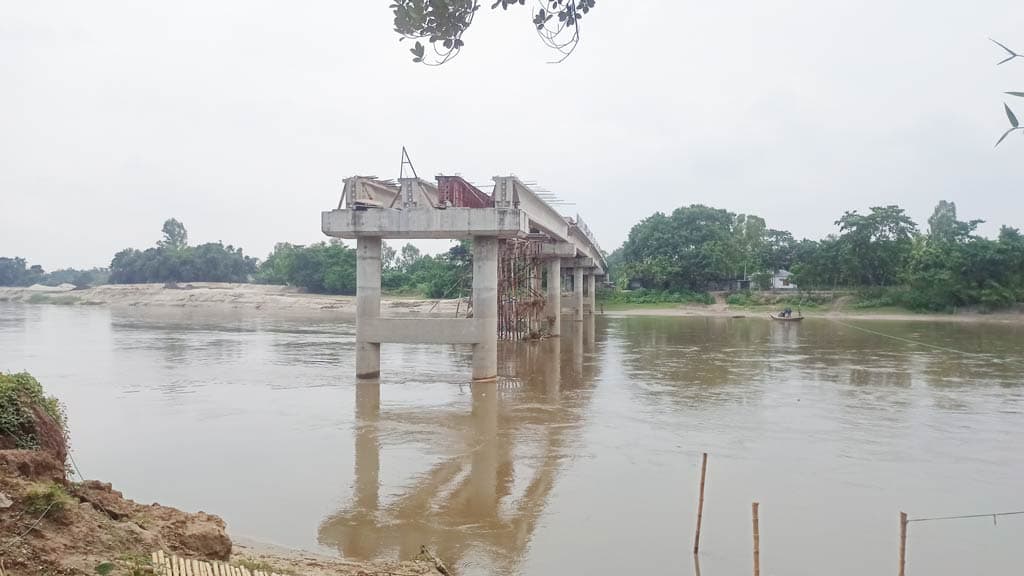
(940, 297)
(644, 296)
(801, 300)
(47, 498)
(29, 419)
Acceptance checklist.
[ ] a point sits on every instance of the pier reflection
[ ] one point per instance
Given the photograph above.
(477, 506)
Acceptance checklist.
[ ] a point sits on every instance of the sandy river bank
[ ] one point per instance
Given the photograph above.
(222, 296)
(285, 300)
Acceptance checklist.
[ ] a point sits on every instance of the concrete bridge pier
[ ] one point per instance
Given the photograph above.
(367, 305)
(577, 293)
(485, 307)
(554, 297)
(591, 292)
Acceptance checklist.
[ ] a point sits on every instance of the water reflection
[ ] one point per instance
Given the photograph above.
(479, 505)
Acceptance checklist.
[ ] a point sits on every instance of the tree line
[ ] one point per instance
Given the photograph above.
(675, 257)
(324, 267)
(17, 272)
(882, 253)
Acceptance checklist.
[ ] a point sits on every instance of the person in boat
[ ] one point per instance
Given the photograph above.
(787, 313)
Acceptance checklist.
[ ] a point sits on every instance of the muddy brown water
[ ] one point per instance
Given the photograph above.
(583, 458)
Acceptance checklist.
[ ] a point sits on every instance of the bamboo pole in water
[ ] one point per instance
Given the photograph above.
(700, 502)
(903, 543)
(757, 541)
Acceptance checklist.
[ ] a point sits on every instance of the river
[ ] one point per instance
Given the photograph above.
(583, 458)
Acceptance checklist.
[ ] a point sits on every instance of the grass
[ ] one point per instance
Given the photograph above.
(665, 299)
(47, 498)
(619, 306)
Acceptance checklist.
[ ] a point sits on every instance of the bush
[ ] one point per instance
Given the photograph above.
(738, 299)
(47, 498)
(801, 300)
(643, 296)
(20, 396)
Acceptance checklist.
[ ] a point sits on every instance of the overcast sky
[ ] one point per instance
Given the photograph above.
(241, 118)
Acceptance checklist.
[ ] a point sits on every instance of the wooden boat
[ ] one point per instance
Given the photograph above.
(790, 319)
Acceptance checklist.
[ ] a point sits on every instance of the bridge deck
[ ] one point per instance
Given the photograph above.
(415, 209)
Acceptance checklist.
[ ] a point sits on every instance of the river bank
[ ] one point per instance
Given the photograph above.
(221, 296)
(216, 296)
(52, 524)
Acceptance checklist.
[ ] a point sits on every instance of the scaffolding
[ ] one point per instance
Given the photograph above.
(520, 297)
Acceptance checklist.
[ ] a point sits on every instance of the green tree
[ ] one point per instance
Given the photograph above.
(322, 268)
(13, 272)
(173, 260)
(691, 249)
(175, 235)
(778, 251)
(875, 247)
(943, 225)
(275, 269)
(749, 233)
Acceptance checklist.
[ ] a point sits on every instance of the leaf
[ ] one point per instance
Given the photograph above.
(1009, 114)
(417, 50)
(104, 568)
(1003, 137)
(1011, 52)
(1021, 94)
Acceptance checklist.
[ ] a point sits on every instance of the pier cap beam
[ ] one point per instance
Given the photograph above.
(558, 250)
(458, 223)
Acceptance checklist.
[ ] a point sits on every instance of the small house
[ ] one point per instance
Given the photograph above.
(781, 280)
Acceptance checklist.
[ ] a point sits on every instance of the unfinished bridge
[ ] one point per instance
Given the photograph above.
(522, 249)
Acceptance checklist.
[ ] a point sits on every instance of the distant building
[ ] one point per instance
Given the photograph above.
(781, 280)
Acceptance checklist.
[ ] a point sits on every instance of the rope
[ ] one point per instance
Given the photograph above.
(30, 528)
(992, 516)
(907, 340)
(75, 464)
(925, 344)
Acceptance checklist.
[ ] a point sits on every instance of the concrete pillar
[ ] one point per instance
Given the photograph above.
(367, 304)
(554, 297)
(535, 271)
(591, 292)
(485, 307)
(577, 294)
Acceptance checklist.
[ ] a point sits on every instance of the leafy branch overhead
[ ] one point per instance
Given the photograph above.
(1014, 122)
(442, 23)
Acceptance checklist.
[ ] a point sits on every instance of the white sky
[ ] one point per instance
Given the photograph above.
(240, 119)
